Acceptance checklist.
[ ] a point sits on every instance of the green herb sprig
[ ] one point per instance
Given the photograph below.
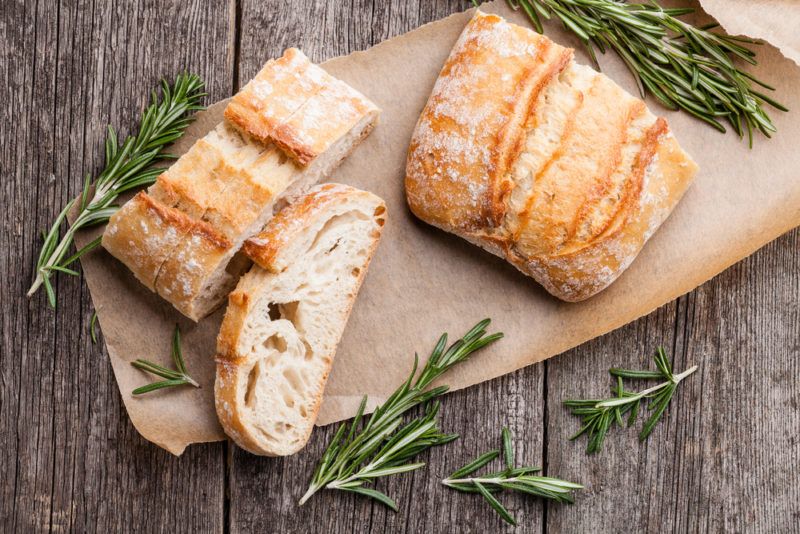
(683, 66)
(177, 377)
(385, 445)
(599, 415)
(520, 479)
(127, 167)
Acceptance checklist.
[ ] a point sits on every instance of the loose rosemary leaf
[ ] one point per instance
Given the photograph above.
(177, 377)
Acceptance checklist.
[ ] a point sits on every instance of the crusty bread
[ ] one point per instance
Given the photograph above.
(181, 237)
(330, 108)
(283, 322)
(542, 161)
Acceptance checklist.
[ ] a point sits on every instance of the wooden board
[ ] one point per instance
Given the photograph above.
(727, 456)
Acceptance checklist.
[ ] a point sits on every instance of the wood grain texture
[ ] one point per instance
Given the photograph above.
(71, 459)
(726, 457)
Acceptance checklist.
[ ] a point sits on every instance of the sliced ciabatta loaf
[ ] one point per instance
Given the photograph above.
(290, 127)
(285, 318)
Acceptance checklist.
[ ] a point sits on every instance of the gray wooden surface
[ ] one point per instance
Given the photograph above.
(726, 458)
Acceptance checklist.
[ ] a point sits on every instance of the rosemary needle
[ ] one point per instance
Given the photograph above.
(599, 415)
(520, 479)
(385, 445)
(683, 66)
(177, 377)
(127, 167)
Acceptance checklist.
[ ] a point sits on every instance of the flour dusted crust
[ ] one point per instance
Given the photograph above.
(278, 339)
(142, 234)
(182, 237)
(322, 107)
(276, 92)
(542, 161)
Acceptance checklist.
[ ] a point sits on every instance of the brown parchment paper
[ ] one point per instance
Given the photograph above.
(423, 282)
(775, 21)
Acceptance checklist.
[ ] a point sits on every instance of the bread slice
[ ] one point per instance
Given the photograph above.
(285, 318)
(181, 238)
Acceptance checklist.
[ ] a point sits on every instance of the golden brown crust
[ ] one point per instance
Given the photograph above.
(276, 92)
(142, 234)
(472, 125)
(332, 112)
(224, 188)
(298, 106)
(572, 180)
(291, 221)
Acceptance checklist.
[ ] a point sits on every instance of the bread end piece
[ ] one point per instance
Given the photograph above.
(298, 106)
(278, 340)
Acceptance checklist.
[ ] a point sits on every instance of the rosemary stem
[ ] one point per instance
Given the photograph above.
(191, 380)
(633, 398)
(312, 489)
(37, 282)
(53, 260)
(680, 376)
(485, 481)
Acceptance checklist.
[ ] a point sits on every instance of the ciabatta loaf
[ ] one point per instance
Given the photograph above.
(285, 318)
(542, 161)
(288, 129)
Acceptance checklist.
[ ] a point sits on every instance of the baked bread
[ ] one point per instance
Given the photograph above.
(542, 161)
(181, 237)
(283, 322)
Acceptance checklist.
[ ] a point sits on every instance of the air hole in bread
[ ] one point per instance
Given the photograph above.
(309, 353)
(283, 310)
(288, 398)
(356, 272)
(250, 392)
(273, 311)
(341, 219)
(276, 342)
(288, 311)
(266, 435)
(294, 379)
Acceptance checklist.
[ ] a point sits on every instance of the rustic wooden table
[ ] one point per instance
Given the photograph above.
(727, 456)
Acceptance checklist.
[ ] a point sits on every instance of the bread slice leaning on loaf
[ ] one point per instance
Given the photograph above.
(286, 317)
(286, 130)
(542, 161)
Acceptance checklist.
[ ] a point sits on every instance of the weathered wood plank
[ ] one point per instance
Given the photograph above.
(71, 460)
(264, 492)
(726, 457)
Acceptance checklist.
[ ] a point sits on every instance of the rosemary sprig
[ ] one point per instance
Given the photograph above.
(127, 167)
(385, 445)
(511, 478)
(683, 66)
(178, 377)
(598, 415)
